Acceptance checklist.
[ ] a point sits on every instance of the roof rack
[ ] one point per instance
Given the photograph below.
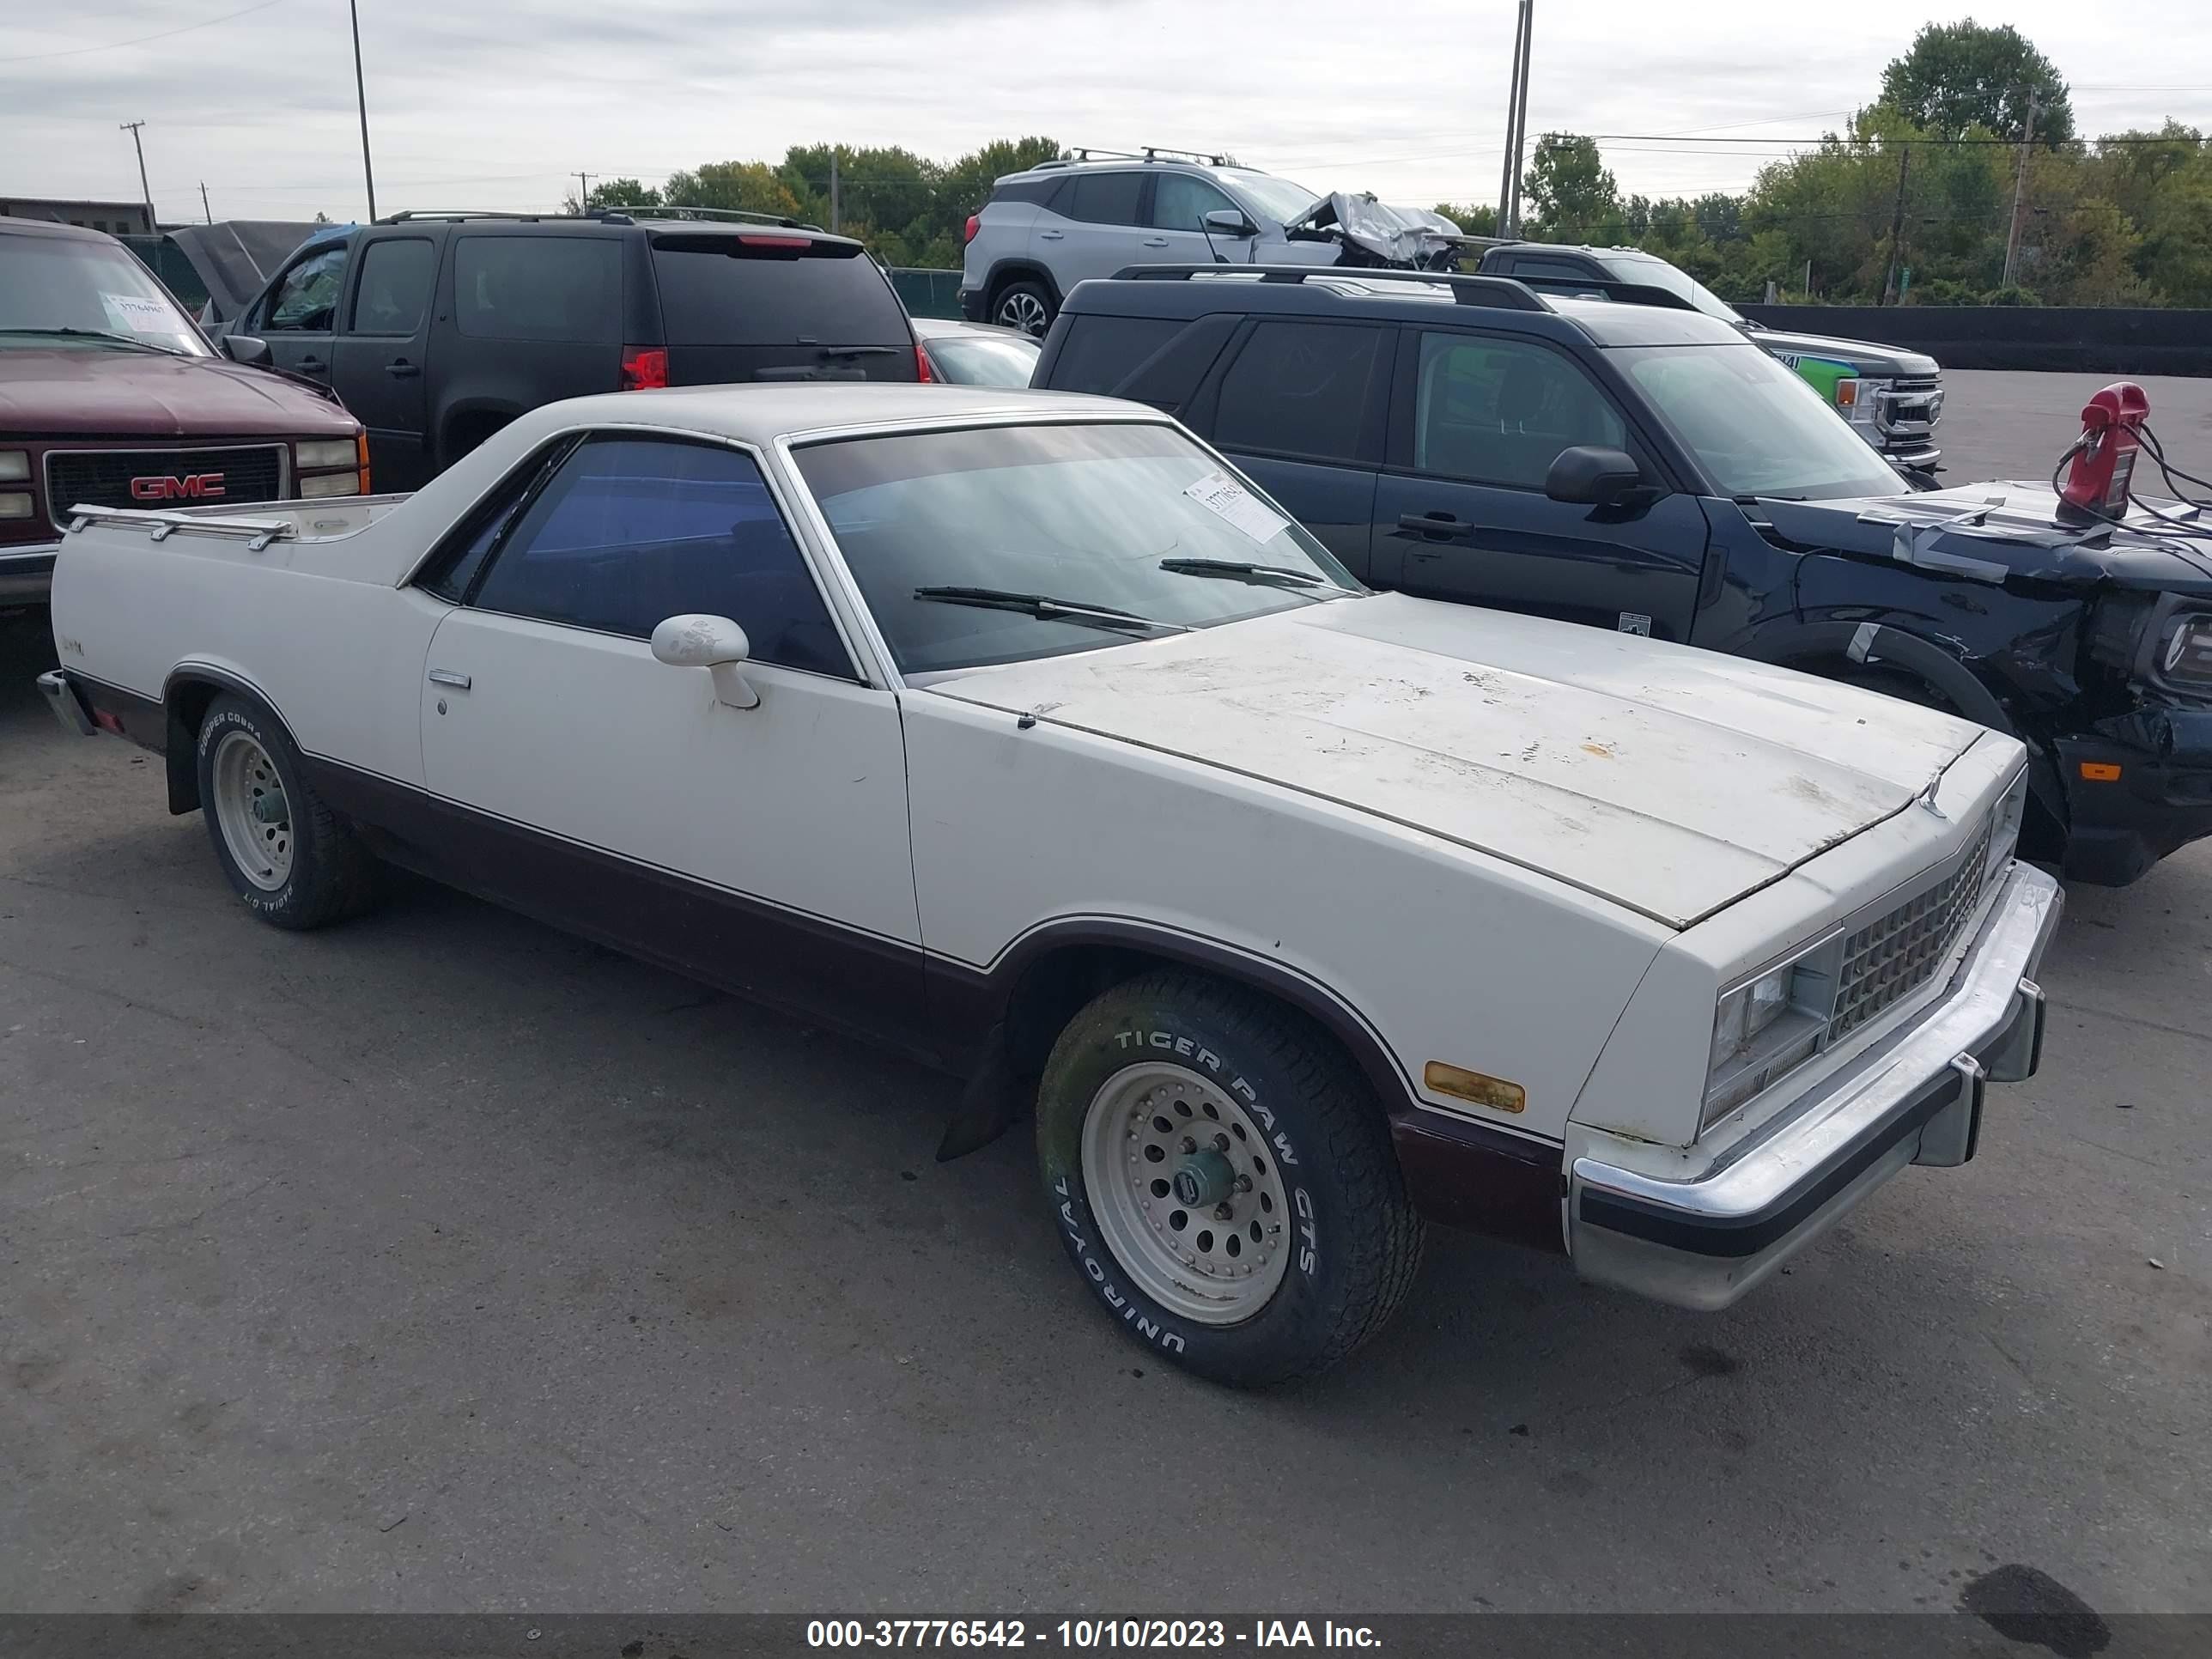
(673, 210)
(466, 213)
(1149, 153)
(1498, 293)
(1631, 294)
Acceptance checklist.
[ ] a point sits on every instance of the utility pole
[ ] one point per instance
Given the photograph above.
(1896, 223)
(832, 190)
(583, 192)
(2019, 191)
(361, 96)
(1520, 107)
(145, 190)
(207, 211)
(1512, 119)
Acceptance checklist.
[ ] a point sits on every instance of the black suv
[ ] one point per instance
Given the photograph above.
(1650, 470)
(436, 330)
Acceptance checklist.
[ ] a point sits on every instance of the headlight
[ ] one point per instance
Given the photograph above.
(15, 504)
(14, 466)
(2184, 654)
(1765, 1025)
(334, 483)
(324, 453)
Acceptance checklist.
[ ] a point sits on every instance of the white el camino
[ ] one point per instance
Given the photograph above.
(1020, 731)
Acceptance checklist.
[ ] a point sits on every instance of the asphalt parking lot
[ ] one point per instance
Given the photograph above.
(441, 1262)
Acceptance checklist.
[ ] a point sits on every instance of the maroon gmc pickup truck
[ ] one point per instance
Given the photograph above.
(111, 396)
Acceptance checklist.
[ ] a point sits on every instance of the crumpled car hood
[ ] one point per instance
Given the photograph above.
(1670, 780)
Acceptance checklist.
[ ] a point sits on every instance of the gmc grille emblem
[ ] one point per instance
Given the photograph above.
(194, 486)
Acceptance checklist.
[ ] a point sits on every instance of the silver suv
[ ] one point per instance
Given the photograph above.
(1061, 222)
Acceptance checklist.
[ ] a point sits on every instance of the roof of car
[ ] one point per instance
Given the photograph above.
(1346, 294)
(945, 328)
(761, 414)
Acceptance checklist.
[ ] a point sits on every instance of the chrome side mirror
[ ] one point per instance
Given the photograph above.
(714, 643)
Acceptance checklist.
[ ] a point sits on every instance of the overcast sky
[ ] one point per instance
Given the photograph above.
(497, 103)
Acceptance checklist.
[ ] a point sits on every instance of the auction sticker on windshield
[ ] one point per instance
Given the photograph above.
(146, 316)
(1220, 494)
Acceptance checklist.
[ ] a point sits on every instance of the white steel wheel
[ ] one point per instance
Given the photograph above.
(251, 811)
(1184, 1188)
(1023, 308)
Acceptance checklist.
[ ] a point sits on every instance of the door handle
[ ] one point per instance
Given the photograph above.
(1156, 241)
(1050, 235)
(446, 676)
(312, 365)
(400, 369)
(1437, 527)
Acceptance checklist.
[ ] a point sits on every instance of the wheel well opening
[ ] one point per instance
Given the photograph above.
(1006, 278)
(186, 705)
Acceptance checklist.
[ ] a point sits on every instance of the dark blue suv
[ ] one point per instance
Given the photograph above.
(1649, 469)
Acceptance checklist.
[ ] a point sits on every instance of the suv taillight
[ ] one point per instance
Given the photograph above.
(921, 365)
(974, 224)
(644, 367)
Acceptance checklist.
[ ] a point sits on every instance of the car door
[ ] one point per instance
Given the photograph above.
(377, 361)
(1301, 406)
(764, 849)
(1476, 420)
(1092, 227)
(1178, 234)
(297, 315)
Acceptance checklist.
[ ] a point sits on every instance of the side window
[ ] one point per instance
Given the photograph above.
(1299, 389)
(1098, 353)
(538, 288)
(1499, 411)
(1531, 265)
(395, 285)
(452, 568)
(631, 532)
(1104, 198)
(306, 294)
(1182, 202)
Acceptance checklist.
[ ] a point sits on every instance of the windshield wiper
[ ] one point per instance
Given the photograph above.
(97, 334)
(1271, 575)
(1045, 609)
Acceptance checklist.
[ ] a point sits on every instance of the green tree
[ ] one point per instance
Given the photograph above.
(1570, 194)
(613, 193)
(1959, 75)
(1475, 218)
(747, 186)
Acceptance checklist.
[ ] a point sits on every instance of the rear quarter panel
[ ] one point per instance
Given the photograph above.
(1444, 954)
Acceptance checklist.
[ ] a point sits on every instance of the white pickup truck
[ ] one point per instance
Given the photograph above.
(1020, 732)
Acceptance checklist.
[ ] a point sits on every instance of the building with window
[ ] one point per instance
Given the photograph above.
(115, 218)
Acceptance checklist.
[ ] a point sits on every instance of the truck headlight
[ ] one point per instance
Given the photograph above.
(323, 454)
(2185, 654)
(331, 483)
(14, 466)
(1769, 1024)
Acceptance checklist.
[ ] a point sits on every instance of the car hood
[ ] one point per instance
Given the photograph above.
(120, 393)
(1990, 531)
(1670, 780)
(1879, 363)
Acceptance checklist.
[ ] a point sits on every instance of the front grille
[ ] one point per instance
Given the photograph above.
(1890, 958)
(102, 478)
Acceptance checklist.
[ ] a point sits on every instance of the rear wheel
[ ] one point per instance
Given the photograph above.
(295, 862)
(1023, 304)
(1223, 1180)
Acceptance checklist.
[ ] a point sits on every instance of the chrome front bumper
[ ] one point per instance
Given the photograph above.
(1916, 1098)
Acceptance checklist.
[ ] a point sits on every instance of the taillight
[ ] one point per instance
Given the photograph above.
(644, 367)
(751, 241)
(921, 365)
(974, 224)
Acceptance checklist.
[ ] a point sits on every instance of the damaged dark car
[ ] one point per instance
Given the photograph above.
(1651, 470)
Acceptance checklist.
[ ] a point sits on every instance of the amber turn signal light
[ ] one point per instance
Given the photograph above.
(2101, 771)
(1494, 1092)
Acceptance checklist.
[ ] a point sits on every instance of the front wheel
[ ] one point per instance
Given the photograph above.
(1223, 1180)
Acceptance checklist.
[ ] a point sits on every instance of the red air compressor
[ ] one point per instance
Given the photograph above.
(2103, 458)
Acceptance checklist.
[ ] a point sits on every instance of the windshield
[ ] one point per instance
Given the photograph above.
(983, 359)
(1657, 273)
(49, 283)
(1757, 427)
(1278, 200)
(1081, 514)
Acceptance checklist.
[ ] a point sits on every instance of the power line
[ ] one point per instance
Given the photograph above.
(138, 40)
